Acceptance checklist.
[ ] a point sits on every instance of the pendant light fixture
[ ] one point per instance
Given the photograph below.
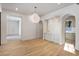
(35, 17)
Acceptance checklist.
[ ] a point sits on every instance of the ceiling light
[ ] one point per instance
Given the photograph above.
(35, 17)
(16, 9)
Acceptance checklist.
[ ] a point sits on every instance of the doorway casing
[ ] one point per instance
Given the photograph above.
(63, 27)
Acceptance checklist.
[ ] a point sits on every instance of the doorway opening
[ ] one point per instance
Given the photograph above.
(69, 33)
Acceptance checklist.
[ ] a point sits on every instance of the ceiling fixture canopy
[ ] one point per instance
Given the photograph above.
(35, 17)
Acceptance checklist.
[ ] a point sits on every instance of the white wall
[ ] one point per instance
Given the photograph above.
(45, 26)
(54, 28)
(73, 10)
(53, 33)
(28, 28)
(0, 8)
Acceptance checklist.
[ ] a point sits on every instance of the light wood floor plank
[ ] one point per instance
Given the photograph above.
(36, 47)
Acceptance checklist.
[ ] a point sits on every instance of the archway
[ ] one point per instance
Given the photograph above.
(69, 34)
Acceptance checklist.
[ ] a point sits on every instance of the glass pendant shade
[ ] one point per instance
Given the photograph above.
(35, 18)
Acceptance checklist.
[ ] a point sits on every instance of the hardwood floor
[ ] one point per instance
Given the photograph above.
(36, 47)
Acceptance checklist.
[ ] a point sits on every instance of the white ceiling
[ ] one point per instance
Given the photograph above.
(28, 8)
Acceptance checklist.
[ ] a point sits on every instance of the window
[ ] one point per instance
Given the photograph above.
(13, 26)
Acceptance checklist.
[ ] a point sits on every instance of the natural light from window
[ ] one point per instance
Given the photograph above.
(69, 48)
(13, 27)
